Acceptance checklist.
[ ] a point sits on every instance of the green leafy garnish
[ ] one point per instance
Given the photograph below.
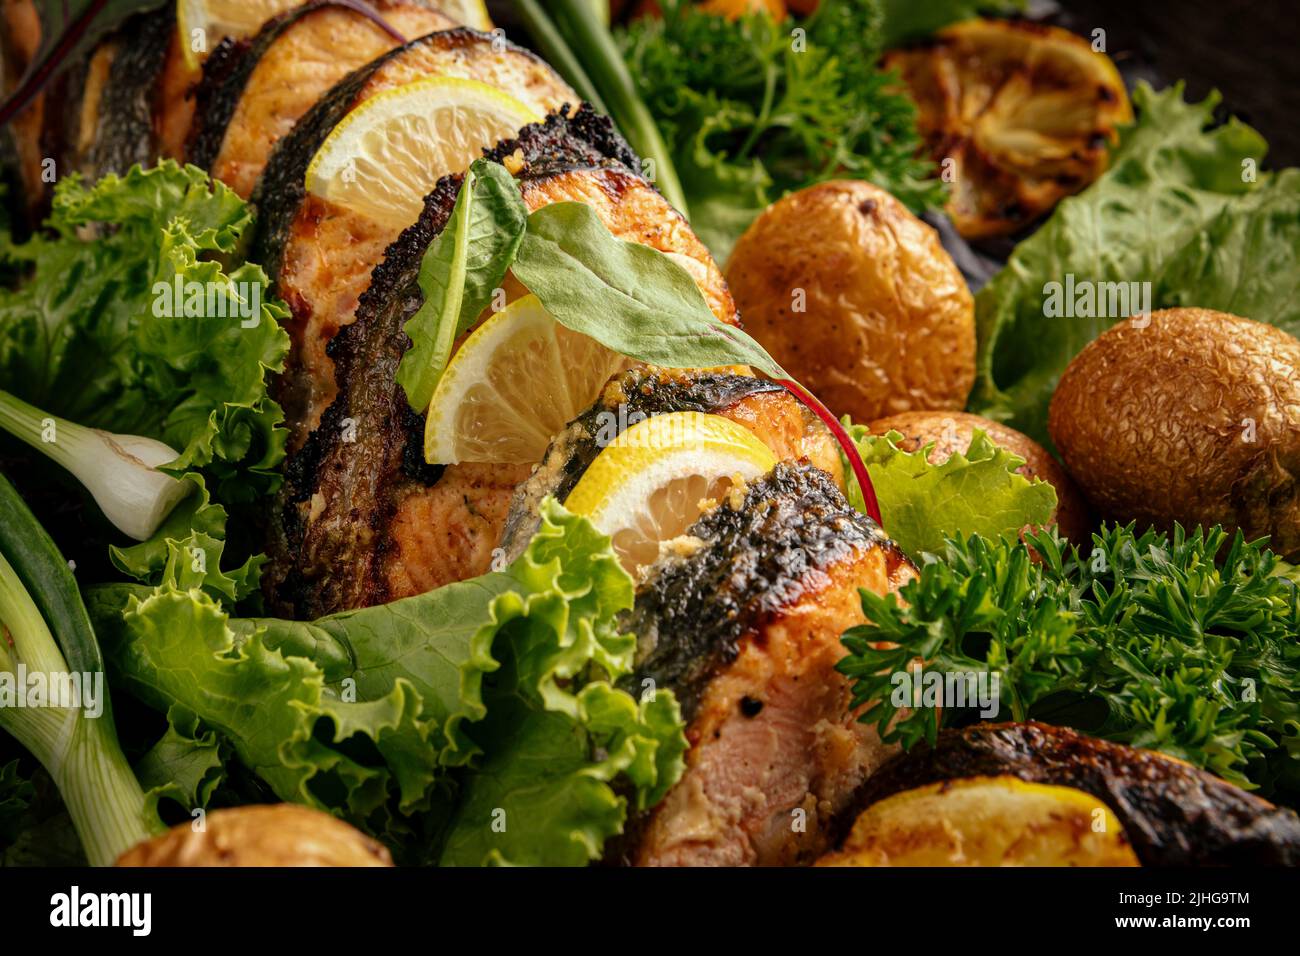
(1181, 207)
(1146, 639)
(405, 718)
(625, 295)
(976, 492)
(463, 267)
(906, 20)
(752, 109)
(95, 332)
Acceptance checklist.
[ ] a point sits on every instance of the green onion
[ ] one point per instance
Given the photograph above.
(575, 35)
(120, 471)
(78, 747)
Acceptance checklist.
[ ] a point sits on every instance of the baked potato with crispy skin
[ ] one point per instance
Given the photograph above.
(1194, 418)
(857, 298)
(278, 834)
(986, 821)
(1172, 813)
(952, 432)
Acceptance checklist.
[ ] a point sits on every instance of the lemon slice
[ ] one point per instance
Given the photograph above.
(218, 19)
(469, 13)
(653, 481)
(517, 380)
(389, 152)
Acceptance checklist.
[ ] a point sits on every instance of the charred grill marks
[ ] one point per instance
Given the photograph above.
(335, 561)
(692, 613)
(1173, 813)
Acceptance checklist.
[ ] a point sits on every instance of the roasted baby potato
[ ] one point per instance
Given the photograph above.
(986, 821)
(952, 432)
(1018, 115)
(1193, 418)
(278, 834)
(856, 297)
(1172, 813)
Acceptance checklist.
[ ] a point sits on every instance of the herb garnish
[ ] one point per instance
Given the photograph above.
(1145, 640)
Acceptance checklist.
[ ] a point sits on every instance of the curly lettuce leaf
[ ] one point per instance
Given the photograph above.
(389, 715)
(81, 335)
(187, 764)
(978, 492)
(1177, 208)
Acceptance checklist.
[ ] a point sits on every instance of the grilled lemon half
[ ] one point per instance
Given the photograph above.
(1018, 115)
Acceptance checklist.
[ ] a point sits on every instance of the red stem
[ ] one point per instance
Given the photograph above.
(841, 436)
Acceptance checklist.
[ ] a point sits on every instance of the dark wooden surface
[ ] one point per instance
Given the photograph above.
(1247, 49)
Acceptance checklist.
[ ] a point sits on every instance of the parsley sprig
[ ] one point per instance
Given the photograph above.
(1188, 644)
(752, 108)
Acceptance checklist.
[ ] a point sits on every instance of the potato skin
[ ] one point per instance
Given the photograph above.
(986, 821)
(952, 432)
(888, 323)
(1154, 424)
(278, 834)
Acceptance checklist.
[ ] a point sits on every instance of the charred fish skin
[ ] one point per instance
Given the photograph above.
(691, 614)
(253, 91)
(743, 624)
(282, 187)
(124, 134)
(328, 531)
(104, 122)
(225, 75)
(1174, 814)
(639, 393)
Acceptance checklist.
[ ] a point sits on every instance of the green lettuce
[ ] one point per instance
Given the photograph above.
(1179, 208)
(79, 336)
(460, 721)
(93, 330)
(976, 492)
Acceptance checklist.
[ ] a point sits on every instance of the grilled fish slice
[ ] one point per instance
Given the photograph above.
(744, 626)
(255, 89)
(769, 411)
(364, 520)
(20, 139)
(320, 254)
(1173, 814)
(104, 119)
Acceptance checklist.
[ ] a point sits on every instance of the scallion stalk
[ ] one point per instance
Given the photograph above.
(78, 747)
(120, 471)
(573, 32)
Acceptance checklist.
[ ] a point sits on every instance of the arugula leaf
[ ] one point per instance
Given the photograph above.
(465, 264)
(625, 295)
(381, 714)
(978, 492)
(1175, 210)
(1144, 639)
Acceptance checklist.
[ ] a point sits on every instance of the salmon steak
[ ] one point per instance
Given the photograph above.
(743, 622)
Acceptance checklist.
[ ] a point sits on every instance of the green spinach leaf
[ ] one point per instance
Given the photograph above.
(629, 297)
(463, 267)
